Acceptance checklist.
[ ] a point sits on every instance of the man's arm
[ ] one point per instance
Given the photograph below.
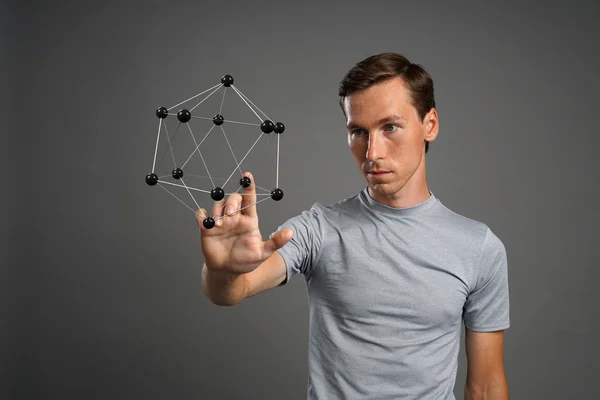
(226, 289)
(485, 366)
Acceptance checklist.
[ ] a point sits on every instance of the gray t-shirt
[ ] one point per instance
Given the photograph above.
(388, 290)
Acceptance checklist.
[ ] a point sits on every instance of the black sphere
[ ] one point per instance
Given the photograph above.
(279, 127)
(177, 173)
(162, 112)
(245, 181)
(208, 223)
(184, 116)
(218, 119)
(217, 194)
(227, 80)
(277, 194)
(151, 179)
(267, 126)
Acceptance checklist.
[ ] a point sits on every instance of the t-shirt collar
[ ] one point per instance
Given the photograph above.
(374, 204)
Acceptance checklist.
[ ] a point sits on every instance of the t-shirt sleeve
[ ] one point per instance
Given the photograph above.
(487, 306)
(302, 251)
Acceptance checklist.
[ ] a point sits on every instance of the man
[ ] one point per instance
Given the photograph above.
(391, 272)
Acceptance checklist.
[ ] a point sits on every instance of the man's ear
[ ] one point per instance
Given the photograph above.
(432, 125)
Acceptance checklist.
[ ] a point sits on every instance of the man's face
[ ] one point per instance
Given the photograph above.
(386, 135)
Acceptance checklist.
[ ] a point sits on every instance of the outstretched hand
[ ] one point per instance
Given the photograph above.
(235, 243)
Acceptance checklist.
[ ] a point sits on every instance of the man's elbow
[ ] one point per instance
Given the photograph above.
(493, 388)
(220, 301)
(223, 303)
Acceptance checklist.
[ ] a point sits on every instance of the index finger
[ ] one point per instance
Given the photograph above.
(249, 197)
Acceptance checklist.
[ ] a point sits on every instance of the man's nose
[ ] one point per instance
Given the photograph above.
(375, 149)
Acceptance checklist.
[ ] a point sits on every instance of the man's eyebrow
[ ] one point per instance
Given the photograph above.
(389, 118)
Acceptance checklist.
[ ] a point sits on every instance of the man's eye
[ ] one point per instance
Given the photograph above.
(358, 132)
(390, 128)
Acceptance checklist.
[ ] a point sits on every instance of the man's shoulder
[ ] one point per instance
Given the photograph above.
(346, 206)
(460, 225)
(320, 213)
(470, 237)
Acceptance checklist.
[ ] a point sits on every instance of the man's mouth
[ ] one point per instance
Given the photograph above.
(378, 173)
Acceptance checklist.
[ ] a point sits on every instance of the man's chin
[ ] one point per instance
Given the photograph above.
(381, 189)
(385, 189)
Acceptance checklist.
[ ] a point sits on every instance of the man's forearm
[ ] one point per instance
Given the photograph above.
(223, 288)
(494, 389)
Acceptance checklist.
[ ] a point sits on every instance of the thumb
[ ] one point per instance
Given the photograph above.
(278, 240)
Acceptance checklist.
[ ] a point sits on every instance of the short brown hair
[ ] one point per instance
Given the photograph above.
(381, 67)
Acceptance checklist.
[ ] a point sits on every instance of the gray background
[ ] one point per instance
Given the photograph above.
(101, 285)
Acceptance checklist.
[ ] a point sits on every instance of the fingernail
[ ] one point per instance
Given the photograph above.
(219, 222)
(229, 209)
